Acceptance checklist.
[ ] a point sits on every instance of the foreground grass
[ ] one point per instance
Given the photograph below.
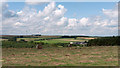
(64, 56)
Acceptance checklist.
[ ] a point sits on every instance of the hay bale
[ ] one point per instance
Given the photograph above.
(39, 46)
(70, 45)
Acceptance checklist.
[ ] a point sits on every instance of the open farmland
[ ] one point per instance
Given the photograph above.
(62, 40)
(3, 39)
(65, 40)
(86, 38)
(72, 39)
(65, 56)
(28, 39)
(53, 41)
(56, 52)
(57, 40)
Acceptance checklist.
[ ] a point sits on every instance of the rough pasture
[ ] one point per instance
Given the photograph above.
(63, 56)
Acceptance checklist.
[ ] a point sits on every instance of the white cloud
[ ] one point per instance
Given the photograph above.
(60, 6)
(18, 24)
(51, 20)
(46, 18)
(84, 21)
(60, 11)
(18, 13)
(72, 22)
(110, 12)
(63, 21)
(49, 8)
(36, 2)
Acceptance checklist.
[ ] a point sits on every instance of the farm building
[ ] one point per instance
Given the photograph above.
(78, 43)
(83, 43)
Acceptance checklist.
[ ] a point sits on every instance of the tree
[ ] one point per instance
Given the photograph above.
(12, 39)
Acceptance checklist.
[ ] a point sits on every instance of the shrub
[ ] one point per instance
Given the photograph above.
(22, 40)
(12, 39)
(81, 45)
(61, 44)
(40, 43)
(14, 44)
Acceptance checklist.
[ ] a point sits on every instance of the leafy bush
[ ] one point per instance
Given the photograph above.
(14, 44)
(12, 39)
(22, 40)
(61, 44)
(40, 43)
(81, 45)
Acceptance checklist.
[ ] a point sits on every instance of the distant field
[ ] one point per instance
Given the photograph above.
(39, 37)
(3, 39)
(63, 56)
(53, 41)
(28, 39)
(72, 39)
(63, 40)
(85, 38)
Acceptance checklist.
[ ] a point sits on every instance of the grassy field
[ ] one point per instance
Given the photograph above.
(72, 39)
(3, 39)
(64, 56)
(32, 38)
(28, 39)
(53, 41)
(85, 38)
(63, 40)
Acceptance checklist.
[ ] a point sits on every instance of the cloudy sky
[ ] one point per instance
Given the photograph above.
(60, 18)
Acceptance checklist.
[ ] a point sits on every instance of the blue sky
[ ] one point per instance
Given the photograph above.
(60, 18)
(74, 9)
(64, 0)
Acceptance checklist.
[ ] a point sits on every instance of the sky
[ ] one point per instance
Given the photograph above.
(84, 9)
(60, 18)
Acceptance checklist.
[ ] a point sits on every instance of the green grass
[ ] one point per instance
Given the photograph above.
(14, 44)
(62, 40)
(3, 39)
(65, 56)
(72, 39)
(28, 39)
(53, 41)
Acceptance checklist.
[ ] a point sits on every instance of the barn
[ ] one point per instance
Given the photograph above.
(83, 43)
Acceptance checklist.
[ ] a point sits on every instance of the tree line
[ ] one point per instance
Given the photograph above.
(104, 41)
